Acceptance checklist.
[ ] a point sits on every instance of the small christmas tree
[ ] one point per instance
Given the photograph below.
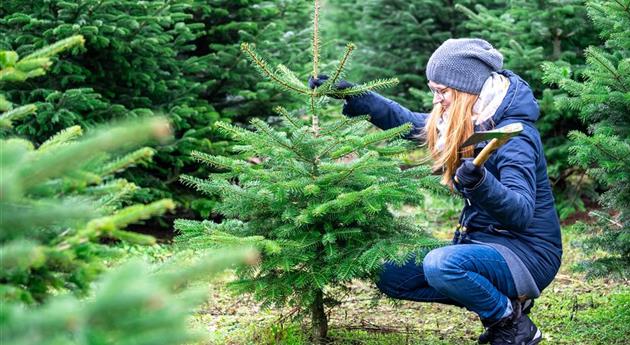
(318, 199)
(603, 103)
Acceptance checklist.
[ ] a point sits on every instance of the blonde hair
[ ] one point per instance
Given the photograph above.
(459, 126)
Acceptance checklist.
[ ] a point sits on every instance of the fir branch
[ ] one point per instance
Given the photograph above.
(290, 76)
(371, 139)
(266, 246)
(21, 255)
(606, 218)
(30, 65)
(391, 150)
(288, 117)
(605, 150)
(209, 187)
(417, 171)
(140, 156)
(389, 134)
(117, 193)
(364, 88)
(7, 118)
(108, 188)
(345, 122)
(303, 132)
(314, 117)
(8, 58)
(122, 218)
(182, 226)
(60, 162)
(283, 142)
(345, 200)
(595, 55)
(264, 128)
(132, 214)
(342, 64)
(62, 137)
(626, 8)
(237, 133)
(336, 142)
(220, 161)
(359, 163)
(57, 47)
(261, 65)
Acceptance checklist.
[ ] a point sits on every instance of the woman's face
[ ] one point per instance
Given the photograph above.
(442, 94)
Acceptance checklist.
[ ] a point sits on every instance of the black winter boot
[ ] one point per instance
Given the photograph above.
(515, 329)
(484, 338)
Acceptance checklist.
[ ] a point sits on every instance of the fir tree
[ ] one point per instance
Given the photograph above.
(234, 92)
(601, 99)
(319, 203)
(398, 37)
(178, 59)
(56, 203)
(529, 33)
(59, 199)
(133, 304)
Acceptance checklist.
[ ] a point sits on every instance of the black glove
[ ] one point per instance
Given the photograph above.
(469, 175)
(321, 79)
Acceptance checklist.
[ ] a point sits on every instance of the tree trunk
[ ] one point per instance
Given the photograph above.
(320, 323)
(557, 45)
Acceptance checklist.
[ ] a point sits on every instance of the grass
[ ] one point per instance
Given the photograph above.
(572, 310)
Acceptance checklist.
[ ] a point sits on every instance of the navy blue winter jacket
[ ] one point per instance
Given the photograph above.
(512, 209)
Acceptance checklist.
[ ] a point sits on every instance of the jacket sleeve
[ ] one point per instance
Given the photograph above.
(385, 113)
(511, 198)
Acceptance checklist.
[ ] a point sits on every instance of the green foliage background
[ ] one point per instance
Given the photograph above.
(65, 195)
(58, 202)
(180, 59)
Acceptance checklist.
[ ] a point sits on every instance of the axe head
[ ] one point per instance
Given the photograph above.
(502, 133)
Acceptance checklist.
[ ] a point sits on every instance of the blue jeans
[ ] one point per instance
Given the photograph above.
(473, 276)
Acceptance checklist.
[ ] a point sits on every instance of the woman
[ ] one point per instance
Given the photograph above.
(508, 246)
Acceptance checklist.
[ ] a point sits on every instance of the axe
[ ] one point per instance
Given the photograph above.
(497, 137)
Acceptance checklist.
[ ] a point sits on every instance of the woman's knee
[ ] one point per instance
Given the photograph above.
(438, 265)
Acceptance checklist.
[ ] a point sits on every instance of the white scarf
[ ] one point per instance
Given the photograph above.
(492, 94)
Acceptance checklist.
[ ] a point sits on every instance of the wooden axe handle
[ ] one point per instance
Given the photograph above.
(483, 156)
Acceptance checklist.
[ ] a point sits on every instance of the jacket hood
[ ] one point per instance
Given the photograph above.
(519, 103)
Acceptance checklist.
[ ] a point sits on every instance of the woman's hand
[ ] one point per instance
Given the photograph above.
(469, 175)
(321, 79)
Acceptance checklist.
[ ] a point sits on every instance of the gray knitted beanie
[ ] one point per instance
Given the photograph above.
(464, 64)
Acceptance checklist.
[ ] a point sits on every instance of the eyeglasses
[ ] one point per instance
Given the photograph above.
(435, 91)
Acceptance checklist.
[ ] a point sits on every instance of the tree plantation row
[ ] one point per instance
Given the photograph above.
(121, 119)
